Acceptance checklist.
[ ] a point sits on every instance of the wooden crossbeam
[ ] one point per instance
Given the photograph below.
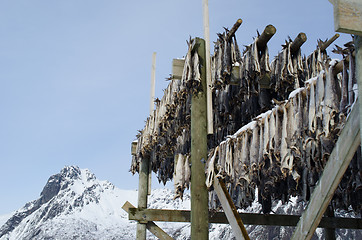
(230, 210)
(150, 225)
(163, 215)
(338, 161)
(347, 16)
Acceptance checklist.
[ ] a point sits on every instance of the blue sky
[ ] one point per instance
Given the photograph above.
(75, 76)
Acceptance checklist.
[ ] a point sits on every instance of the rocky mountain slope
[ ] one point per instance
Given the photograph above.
(74, 204)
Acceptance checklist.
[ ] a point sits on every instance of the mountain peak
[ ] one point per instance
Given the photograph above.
(65, 192)
(72, 172)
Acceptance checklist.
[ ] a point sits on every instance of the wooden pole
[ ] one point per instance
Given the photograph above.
(233, 30)
(153, 81)
(210, 124)
(330, 233)
(298, 42)
(152, 107)
(338, 161)
(142, 196)
(329, 42)
(266, 35)
(358, 60)
(199, 193)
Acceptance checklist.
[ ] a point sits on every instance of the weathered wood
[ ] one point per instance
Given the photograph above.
(338, 161)
(339, 66)
(230, 210)
(347, 16)
(266, 35)
(142, 196)
(358, 60)
(152, 108)
(153, 80)
(298, 42)
(233, 30)
(162, 215)
(326, 44)
(134, 147)
(210, 125)
(177, 68)
(330, 233)
(151, 226)
(199, 193)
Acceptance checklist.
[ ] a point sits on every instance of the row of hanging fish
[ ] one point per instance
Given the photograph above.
(246, 85)
(167, 130)
(283, 151)
(301, 131)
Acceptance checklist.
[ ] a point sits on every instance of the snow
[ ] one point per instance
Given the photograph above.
(295, 92)
(91, 209)
(4, 218)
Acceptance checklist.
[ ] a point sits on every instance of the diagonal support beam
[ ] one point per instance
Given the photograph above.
(151, 226)
(338, 161)
(230, 210)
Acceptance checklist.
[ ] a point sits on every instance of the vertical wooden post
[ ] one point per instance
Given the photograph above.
(153, 80)
(358, 47)
(210, 124)
(152, 107)
(142, 196)
(330, 233)
(199, 194)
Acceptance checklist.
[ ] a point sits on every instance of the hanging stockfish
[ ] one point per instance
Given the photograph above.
(344, 88)
(254, 155)
(210, 171)
(187, 172)
(228, 158)
(179, 175)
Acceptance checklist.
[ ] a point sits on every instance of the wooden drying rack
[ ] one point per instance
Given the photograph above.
(312, 217)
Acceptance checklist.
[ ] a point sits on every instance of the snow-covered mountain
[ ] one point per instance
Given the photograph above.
(74, 204)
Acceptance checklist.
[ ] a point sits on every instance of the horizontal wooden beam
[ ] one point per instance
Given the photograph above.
(347, 16)
(151, 226)
(161, 215)
(338, 161)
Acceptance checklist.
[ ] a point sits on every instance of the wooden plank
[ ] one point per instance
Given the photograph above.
(151, 226)
(153, 82)
(157, 231)
(345, 148)
(329, 233)
(358, 60)
(177, 68)
(347, 16)
(210, 124)
(134, 147)
(199, 193)
(162, 215)
(230, 210)
(152, 108)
